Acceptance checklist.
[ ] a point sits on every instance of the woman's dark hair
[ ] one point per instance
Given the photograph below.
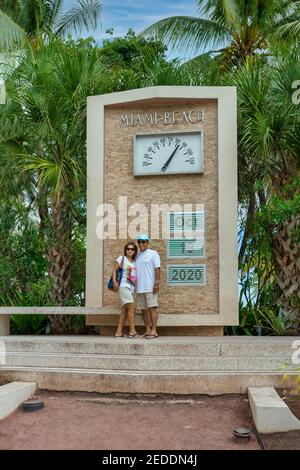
(134, 246)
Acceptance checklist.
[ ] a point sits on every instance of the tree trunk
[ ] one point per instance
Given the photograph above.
(287, 262)
(60, 259)
(42, 205)
(248, 227)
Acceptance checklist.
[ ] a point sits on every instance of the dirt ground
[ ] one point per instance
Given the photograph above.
(96, 422)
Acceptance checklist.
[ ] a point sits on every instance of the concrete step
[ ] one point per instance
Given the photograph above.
(179, 382)
(145, 362)
(182, 365)
(109, 346)
(270, 413)
(221, 346)
(13, 394)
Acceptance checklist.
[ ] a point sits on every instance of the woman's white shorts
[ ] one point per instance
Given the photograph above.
(125, 295)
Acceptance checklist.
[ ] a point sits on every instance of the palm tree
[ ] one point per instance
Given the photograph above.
(235, 29)
(269, 135)
(23, 20)
(43, 136)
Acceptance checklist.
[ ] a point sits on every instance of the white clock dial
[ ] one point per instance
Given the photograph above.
(170, 153)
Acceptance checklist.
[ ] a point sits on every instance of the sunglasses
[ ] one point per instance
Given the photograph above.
(142, 241)
(130, 249)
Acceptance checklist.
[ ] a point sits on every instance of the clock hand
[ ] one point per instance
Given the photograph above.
(170, 158)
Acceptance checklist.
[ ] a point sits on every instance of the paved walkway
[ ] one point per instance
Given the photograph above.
(91, 421)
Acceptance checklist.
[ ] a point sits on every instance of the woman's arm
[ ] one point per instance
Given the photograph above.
(114, 272)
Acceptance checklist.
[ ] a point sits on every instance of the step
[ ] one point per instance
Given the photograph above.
(224, 346)
(145, 362)
(163, 365)
(270, 413)
(13, 394)
(111, 345)
(179, 382)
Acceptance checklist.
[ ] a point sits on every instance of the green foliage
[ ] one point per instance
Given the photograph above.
(131, 50)
(234, 30)
(280, 209)
(276, 324)
(79, 327)
(272, 321)
(260, 302)
(28, 324)
(22, 257)
(23, 22)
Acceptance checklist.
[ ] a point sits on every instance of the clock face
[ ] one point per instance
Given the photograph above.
(168, 153)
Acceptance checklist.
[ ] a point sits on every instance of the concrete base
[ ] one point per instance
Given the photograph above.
(173, 330)
(270, 413)
(171, 383)
(4, 325)
(13, 394)
(178, 365)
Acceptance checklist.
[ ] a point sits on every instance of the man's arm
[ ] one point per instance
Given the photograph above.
(156, 282)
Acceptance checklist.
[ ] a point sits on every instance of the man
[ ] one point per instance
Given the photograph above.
(147, 284)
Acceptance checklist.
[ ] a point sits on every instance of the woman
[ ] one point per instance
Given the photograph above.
(126, 289)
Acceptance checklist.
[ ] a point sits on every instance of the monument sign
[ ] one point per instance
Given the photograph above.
(163, 160)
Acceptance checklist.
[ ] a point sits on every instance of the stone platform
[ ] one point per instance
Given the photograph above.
(172, 365)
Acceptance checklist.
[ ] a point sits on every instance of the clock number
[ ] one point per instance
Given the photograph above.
(150, 149)
(156, 144)
(163, 141)
(170, 138)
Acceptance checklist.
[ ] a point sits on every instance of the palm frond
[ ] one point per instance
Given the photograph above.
(12, 36)
(230, 7)
(188, 34)
(82, 16)
(204, 70)
(56, 8)
(289, 30)
(54, 174)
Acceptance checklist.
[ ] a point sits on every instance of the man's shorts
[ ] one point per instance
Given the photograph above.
(146, 300)
(125, 295)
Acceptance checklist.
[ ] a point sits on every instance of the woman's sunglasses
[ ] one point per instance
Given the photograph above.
(130, 249)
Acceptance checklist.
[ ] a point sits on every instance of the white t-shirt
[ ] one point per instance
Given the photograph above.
(146, 262)
(129, 273)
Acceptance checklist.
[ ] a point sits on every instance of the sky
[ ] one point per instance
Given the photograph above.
(136, 14)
